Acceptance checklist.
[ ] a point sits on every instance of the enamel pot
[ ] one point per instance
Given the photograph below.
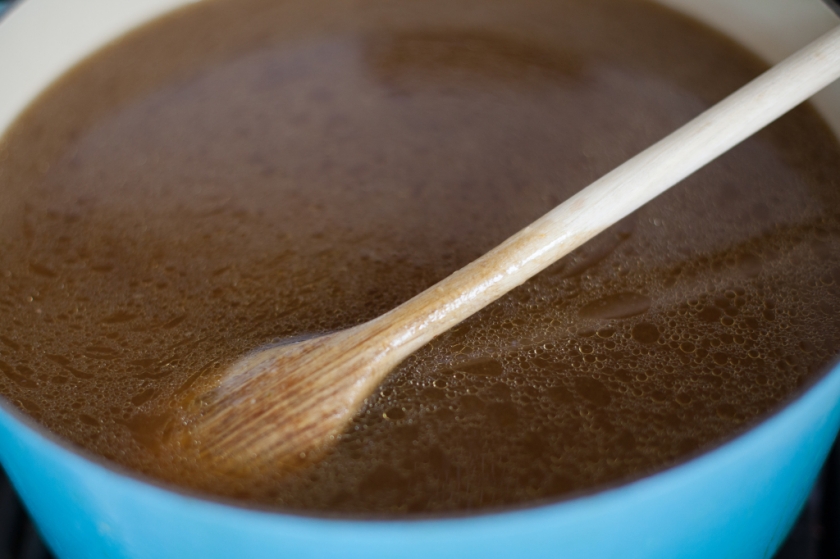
(737, 500)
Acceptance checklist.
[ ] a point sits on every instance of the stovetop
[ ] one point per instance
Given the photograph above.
(18, 536)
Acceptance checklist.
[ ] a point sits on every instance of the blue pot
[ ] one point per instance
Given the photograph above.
(738, 500)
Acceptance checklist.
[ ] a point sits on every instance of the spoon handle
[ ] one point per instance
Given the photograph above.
(611, 197)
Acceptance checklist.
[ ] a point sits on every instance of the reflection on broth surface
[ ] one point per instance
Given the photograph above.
(241, 173)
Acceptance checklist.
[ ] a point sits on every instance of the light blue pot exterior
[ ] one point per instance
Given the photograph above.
(736, 501)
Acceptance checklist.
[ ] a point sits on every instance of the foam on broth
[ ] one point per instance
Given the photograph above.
(245, 172)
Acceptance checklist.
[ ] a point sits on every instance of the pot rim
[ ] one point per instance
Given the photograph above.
(812, 383)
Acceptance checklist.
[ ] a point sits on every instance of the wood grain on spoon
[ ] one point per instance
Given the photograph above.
(282, 402)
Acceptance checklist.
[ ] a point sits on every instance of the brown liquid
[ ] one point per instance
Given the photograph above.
(243, 172)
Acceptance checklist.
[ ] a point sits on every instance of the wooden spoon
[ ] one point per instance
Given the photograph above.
(284, 402)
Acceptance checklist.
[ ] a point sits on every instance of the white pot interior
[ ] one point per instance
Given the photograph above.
(773, 29)
(42, 39)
